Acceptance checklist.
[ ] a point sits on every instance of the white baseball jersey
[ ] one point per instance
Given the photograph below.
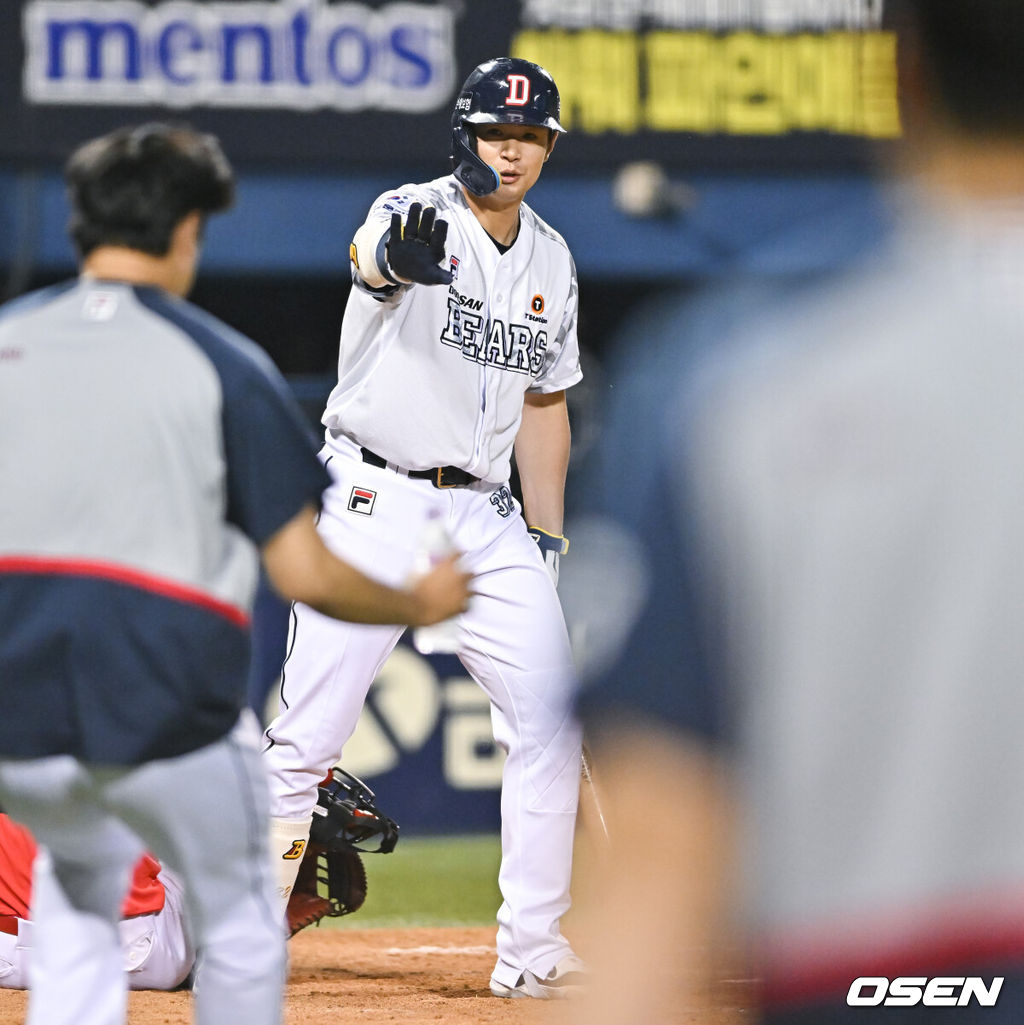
(439, 379)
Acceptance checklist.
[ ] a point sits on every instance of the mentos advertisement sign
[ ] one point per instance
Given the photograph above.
(300, 55)
(332, 84)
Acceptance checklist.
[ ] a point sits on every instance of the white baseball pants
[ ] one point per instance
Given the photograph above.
(513, 642)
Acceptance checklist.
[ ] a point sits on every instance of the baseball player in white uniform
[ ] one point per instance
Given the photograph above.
(457, 345)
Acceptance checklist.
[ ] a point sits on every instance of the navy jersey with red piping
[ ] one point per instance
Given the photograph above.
(148, 451)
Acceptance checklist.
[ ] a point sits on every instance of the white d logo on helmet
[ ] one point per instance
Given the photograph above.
(518, 91)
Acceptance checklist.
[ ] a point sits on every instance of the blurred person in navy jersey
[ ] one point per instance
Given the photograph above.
(127, 577)
(805, 635)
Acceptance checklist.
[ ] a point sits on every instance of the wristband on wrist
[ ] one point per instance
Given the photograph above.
(549, 542)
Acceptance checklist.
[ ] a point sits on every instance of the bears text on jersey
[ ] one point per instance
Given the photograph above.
(514, 347)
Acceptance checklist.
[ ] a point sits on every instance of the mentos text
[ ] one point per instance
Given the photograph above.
(299, 54)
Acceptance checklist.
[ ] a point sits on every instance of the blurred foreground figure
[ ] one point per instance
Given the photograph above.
(150, 457)
(823, 581)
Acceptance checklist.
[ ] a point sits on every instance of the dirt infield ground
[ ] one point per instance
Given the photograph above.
(344, 976)
(376, 975)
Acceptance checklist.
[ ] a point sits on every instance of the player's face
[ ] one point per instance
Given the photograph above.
(517, 153)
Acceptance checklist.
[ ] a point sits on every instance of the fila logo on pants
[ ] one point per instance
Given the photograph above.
(361, 501)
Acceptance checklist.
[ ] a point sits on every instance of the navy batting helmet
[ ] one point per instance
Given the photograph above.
(506, 90)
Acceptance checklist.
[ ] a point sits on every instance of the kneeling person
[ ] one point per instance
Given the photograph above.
(158, 953)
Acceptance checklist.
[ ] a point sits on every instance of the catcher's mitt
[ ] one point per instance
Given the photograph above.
(329, 884)
(331, 879)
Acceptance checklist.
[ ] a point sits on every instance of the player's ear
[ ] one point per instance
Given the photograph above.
(182, 257)
(552, 139)
(188, 232)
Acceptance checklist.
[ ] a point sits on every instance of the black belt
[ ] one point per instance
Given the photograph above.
(439, 476)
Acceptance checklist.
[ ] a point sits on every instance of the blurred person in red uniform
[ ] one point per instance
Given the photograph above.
(158, 953)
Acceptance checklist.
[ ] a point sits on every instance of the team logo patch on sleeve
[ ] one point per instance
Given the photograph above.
(361, 501)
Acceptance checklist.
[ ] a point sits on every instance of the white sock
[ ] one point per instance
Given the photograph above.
(288, 839)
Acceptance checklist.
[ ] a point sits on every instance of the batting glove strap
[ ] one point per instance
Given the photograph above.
(549, 542)
(381, 255)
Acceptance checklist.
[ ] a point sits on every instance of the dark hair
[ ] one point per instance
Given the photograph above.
(133, 186)
(972, 54)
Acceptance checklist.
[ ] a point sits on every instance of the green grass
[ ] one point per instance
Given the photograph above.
(429, 881)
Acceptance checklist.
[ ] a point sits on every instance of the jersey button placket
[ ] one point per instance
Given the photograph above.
(478, 441)
(495, 375)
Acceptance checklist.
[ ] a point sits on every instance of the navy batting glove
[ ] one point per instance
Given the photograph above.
(551, 547)
(414, 253)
